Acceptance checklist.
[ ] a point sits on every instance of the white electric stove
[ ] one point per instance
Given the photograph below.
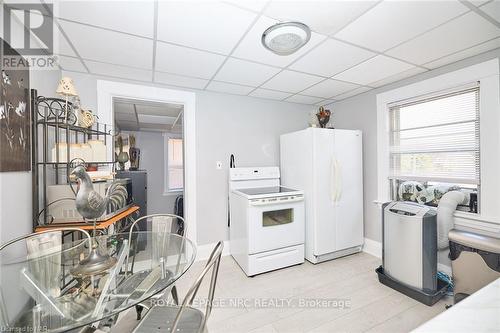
(266, 220)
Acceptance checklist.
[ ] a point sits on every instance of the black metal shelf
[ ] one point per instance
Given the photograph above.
(84, 130)
(54, 121)
(66, 163)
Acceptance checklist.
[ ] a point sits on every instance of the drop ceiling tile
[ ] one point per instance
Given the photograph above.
(127, 125)
(229, 88)
(484, 47)
(372, 70)
(269, 94)
(185, 61)
(303, 99)
(397, 77)
(325, 102)
(329, 88)
(119, 71)
(61, 45)
(325, 17)
(245, 72)
(393, 22)
(165, 110)
(123, 110)
(251, 47)
(479, 3)
(207, 25)
(331, 57)
(352, 93)
(123, 116)
(181, 81)
(492, 9)
(135, 17)
(152, 119)
(107, 46)
(71, 64)
(254, 5)
(461, 33)
(289, 81)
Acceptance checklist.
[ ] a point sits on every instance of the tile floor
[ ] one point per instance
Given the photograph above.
(373, 307)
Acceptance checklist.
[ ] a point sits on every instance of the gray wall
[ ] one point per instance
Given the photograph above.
(360, 112)
(247, 127)
(15, 187)
(153, 160)
(226, 124)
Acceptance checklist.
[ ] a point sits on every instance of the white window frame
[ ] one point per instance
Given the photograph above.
(487, 73)
(166, 190)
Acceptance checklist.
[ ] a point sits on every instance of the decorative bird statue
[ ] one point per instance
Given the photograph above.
(90, 204)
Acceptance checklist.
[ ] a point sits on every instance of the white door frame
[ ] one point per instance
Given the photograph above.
(107, 90)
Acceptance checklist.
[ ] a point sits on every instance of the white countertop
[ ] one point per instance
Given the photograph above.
(479, 312)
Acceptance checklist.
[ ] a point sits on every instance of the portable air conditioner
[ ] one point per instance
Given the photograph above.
(410, 244)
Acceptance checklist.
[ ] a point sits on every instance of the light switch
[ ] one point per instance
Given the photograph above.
(218, 165)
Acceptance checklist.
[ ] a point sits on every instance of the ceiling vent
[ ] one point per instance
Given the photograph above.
(286, 38)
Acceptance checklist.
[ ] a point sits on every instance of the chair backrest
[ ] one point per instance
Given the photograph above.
(213, 264)
(161, 224)
(44, 245)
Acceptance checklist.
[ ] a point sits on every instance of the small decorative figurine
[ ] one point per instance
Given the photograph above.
(323, 116)
(122, 157)
(134, 154)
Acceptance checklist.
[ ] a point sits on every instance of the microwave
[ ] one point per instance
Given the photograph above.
(64, 210)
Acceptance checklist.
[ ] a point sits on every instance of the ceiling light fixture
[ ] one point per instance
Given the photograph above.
(286, 38)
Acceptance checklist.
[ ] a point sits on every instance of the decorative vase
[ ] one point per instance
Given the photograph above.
(122, 157)
(323, 117)
(134, 154)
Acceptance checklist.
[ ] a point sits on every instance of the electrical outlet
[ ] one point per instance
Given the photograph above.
(218, 165)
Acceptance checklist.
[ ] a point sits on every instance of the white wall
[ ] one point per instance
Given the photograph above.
(360, 112)
(247, 127)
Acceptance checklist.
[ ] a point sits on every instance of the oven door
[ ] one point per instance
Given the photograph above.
(274, 226)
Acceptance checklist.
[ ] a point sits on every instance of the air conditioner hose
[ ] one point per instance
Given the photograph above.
(447, 206)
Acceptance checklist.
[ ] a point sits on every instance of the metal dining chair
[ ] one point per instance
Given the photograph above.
(46, 269)
(161, 224)
(185, 318)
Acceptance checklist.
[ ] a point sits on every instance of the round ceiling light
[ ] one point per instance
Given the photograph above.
(286, 38)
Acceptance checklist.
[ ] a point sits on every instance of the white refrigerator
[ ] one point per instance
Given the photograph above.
(327, 165)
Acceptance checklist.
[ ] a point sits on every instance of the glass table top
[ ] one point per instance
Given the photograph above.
(42, 285)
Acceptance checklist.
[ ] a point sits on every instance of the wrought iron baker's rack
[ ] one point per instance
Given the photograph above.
(51, 126)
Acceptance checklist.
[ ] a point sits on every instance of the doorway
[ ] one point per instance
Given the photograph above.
(108, 92)
(149, 149)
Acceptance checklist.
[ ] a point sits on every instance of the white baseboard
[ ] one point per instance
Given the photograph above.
(373, 247)
(203, 251)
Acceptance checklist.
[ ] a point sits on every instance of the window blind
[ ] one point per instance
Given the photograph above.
(436, 138)
(175, 164)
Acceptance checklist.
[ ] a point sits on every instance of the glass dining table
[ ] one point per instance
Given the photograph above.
(53, 289)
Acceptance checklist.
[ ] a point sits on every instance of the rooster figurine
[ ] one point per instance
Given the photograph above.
(90, 204)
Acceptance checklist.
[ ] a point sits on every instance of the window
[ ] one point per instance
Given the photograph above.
(175, 164)
(434, 145)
